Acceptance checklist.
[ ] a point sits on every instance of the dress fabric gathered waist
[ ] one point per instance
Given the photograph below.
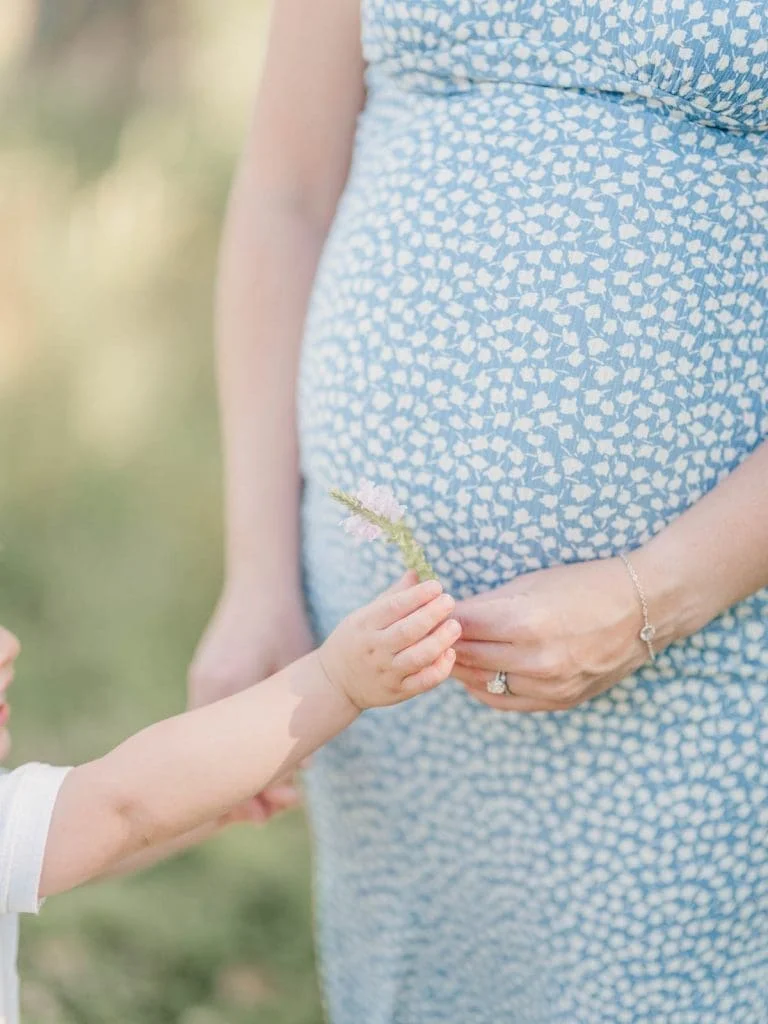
(541, 317)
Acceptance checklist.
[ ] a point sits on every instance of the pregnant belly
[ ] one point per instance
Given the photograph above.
(541, 316)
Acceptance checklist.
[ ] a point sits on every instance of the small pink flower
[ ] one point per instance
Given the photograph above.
(381, 501)
(360, 529)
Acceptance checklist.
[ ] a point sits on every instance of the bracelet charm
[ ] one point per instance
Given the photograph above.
(648, 633)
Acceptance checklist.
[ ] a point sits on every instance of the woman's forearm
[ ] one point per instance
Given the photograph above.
(291, 174)
(269, 257)
(177, 775)
(713, 555)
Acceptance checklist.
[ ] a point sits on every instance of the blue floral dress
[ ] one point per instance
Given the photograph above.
(541, 317)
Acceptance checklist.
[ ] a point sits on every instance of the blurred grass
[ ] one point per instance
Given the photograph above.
(115, 159)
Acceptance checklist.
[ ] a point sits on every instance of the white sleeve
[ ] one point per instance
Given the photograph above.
(27, 799)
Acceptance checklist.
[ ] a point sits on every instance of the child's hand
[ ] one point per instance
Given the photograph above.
(398, 646)
(9, 652)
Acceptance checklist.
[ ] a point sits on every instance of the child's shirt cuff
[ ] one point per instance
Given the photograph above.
(27, 799)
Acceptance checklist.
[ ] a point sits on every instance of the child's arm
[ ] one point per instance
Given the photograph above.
(280, 797)
(188, 770)
(152, 855)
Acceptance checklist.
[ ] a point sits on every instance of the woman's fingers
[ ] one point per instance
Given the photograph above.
(428, 650)
(252, 810)
(409, 630)
(492, 656)
(525, 694)
(483, 654)
(401, 600)
(519, 704)
(484, 620)
(477, 681)
(281, 797)
(515, 620)
(432, 675)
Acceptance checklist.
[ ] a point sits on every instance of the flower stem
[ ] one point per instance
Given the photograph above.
(395, 533)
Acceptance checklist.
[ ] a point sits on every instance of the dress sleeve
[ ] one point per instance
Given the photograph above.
(27, 799)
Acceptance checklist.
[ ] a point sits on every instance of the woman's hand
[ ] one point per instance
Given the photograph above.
(250, 636)
(565, 634)
(562, 635)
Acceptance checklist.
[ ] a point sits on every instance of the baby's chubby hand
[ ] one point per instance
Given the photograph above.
(9, 652)
(396, 647)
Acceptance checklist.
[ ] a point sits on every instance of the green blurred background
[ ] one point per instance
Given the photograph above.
(119, 127)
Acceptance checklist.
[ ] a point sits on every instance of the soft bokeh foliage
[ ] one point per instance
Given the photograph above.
(120, 123)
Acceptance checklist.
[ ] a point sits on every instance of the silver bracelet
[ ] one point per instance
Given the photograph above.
(648, 632)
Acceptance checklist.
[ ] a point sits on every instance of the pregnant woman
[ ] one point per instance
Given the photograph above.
(512, 256)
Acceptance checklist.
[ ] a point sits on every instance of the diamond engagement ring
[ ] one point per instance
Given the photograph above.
(498, 685)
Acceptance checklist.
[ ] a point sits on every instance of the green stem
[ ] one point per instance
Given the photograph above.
(399, 534)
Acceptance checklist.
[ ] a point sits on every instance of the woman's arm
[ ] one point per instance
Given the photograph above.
(565, 634)
(174, 776)
(291, 175)
(713, 555)
(289, 180)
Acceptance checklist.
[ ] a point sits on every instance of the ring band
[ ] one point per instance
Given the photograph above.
(498, 685)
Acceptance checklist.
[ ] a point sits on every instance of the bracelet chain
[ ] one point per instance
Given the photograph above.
(648, 632)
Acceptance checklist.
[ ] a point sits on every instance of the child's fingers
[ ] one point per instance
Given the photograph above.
(423, 653)
(414, 627)
(395, 604)
(408, 579)
(432, 675)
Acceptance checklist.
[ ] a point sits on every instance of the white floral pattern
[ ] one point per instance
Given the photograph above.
(541, 318)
